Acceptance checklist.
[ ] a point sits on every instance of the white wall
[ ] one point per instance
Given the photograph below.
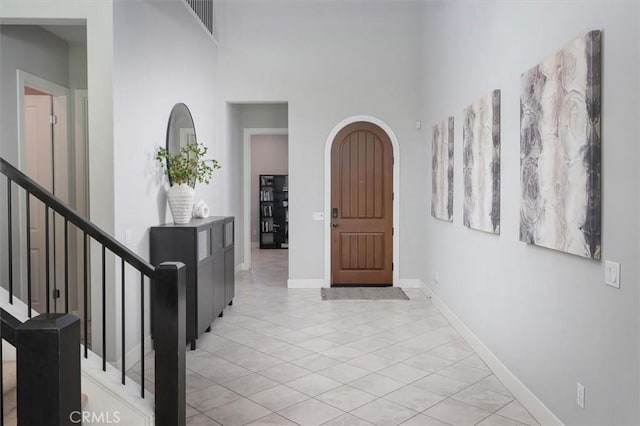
(263, 115)
(269, 155)
(329, 61)
(547, 315)
(161, 57)
(77, 81)
(233, 136)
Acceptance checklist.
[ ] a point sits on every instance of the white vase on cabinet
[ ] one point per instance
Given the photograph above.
(180, 199)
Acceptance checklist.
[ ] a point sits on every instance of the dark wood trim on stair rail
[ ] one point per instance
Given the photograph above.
(50, 343)
(74, 217)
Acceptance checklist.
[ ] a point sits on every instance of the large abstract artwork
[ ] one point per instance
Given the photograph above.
(481, 158)
(560, 150)
(442, 171)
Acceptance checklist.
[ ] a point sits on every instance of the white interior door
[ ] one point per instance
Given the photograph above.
(61, 190)
(47, 162)
(39, 166)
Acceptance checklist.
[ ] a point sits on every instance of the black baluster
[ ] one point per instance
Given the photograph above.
(123, 309)
(86, 285)
(10, 242)
(142, 334)
(55, 266)
(1, 380)
(46, 258)
(104, 310)
(66, 266)
(28, 204)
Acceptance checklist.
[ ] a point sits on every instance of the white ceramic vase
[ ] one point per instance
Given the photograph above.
(180, 199)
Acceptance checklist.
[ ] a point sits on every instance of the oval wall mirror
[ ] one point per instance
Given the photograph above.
(180, 130)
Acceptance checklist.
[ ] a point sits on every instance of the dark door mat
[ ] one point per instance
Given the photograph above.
(363, 293)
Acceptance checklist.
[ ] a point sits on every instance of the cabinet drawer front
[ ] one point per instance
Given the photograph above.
(205, 295)
(217, 237)
(228, 233)
(204, 244)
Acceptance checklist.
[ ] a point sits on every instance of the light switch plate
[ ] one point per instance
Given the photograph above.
(612, 274)
(128, 236)
(580, 395)
(318, 216)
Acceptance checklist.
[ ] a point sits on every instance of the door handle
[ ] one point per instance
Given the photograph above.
(335, 225)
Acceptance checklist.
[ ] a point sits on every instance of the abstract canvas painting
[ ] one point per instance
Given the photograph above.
(481, 164)
(442, 170)
(560, 150)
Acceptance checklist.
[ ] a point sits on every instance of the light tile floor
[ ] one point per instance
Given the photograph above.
(284, 357)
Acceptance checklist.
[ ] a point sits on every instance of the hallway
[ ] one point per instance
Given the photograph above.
(283, 357)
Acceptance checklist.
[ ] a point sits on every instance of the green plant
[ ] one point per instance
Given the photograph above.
(187, 165)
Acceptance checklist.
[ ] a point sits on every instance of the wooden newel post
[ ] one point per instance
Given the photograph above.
(170, 337)
(48, 370)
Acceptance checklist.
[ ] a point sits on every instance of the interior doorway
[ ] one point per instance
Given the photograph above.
(38, 133)
(244, 121)
(259, 130)
(267, 200)
(269, 191)
(45, 140)
(43, 136)
(52, 128)
(44, 96)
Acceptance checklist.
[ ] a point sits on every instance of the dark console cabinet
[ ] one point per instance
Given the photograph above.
(206, 247)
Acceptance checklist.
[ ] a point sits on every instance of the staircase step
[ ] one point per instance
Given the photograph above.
(10, 407)
(11, 418)
(9, 376)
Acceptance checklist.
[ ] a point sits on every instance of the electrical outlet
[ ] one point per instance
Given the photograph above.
(580, 395)
(128, 236)
(436, 278)
(612, 274)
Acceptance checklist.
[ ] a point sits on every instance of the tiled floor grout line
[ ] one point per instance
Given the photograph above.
(222, 384)
(297, 310)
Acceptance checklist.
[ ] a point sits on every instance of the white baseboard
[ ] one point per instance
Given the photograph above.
(531, 402)
(319, 283)
(241, 267)
(307, 283)
(409, 283)
(107, 395)
(18, 309)
(133, 355)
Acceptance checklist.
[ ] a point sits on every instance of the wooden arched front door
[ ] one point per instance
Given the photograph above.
(361, 206)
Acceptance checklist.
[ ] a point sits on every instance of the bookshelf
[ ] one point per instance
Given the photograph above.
(274, 211)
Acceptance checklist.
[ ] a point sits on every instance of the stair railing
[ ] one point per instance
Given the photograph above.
(168, 281)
